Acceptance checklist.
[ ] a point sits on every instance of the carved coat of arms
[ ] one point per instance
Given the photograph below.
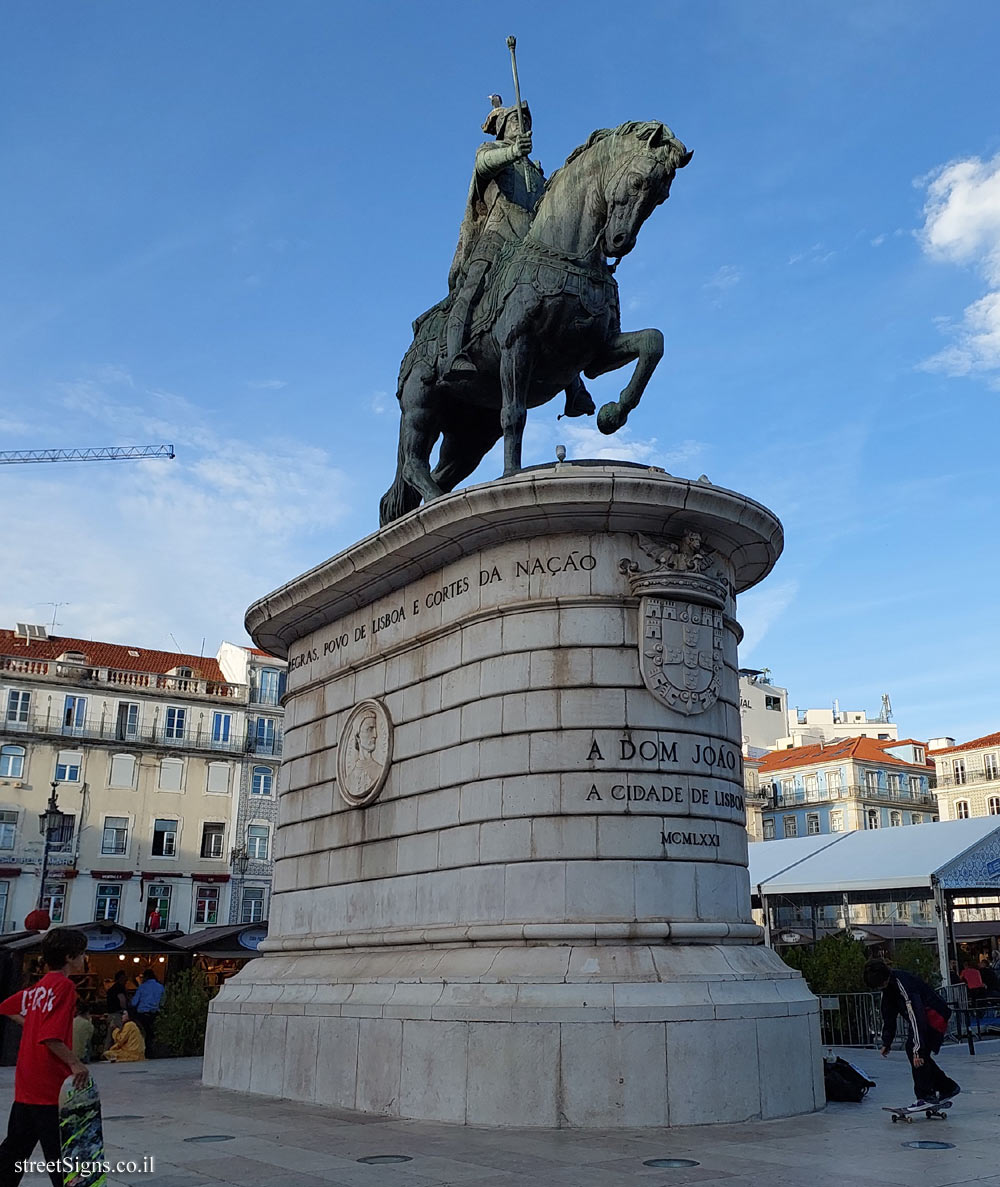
(681, 653)
(681, 622)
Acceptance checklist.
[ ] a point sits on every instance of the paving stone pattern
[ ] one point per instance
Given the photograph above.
(304, 1145)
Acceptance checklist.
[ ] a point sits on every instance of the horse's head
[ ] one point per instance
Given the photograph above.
(641, 160)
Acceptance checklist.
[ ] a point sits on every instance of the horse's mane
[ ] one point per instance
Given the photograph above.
(654, 132)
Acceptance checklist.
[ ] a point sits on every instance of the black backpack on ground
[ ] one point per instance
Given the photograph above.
(844, 1082)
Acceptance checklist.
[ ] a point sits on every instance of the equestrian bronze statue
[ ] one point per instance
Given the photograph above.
(532, 301)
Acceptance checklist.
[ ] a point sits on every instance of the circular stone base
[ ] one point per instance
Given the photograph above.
(604, 1036)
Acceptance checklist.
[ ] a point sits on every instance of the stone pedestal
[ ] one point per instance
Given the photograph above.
(511, 885)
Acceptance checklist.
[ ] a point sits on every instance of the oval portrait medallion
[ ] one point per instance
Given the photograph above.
(364, 753)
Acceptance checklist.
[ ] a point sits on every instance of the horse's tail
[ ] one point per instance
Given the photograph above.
(400, 497)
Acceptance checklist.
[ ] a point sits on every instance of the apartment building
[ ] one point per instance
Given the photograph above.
(810, 726)
(163, 767)
(853, 783)
(763, 709)
(968, 776)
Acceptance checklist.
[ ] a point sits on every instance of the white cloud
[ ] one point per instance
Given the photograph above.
(149, 548)
(962, 226)
(816, 254)
(267, 385)
(584, 441)
(380, 402)
(725, 278)
(761, 608)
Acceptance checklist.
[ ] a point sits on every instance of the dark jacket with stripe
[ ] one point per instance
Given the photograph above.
(911, 998)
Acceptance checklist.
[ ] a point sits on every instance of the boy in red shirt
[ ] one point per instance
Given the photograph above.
(45, 1057)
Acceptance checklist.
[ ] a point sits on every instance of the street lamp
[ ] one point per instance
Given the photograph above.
(49, 822)
(239, 859)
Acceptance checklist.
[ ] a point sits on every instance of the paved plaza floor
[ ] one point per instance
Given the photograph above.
(161, 1109)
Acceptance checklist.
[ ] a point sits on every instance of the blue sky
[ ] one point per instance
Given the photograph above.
(218, 221)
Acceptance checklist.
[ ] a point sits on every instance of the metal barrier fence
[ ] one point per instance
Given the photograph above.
(855, 1019)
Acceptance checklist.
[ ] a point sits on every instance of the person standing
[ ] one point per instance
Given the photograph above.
(927, 1014)
(116, 1000)
(45, 1057)
(83, 1033)
(146, 1003)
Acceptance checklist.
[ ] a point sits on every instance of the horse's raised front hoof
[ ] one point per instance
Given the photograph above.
(610, 419)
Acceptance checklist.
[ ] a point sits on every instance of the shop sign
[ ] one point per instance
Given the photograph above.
(112, 875)
(103, 939)
(250, 937)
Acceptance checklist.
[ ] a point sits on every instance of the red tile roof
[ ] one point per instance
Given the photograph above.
(976, 744)
(861, 749)
(110, 655)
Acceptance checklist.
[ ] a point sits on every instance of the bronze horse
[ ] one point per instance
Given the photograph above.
(548, 311)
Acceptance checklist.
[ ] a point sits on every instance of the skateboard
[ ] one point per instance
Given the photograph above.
(929, 1108)
(82, 1135)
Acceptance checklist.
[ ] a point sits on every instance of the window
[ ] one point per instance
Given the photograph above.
(61, 837)
(264, 734)
(958, 769)
(961, 809)
(221, 727)
(74, 715)
(252, 908)
(270, 686)
(257, 839)
(892, 782)
(4, 894)
(206, 907)
(811, 785)
(173, 724)
(109, 901)
(218, 778)
(788, 791)
(871, 781)
(834, 782)
(993, 805)
(18, 707)
(122, 771)
(916, 818)
(171, 773)
(115, 835)
(772, 703)
(54, 900)
(11, 762)
(918, 754)
(990, 766)
(895, 819)
(158, 900)
(914, 782)
(884, 737)
(790, 826)
(874, 818)
(211, 839)
(262, 781)
(165, 838)
(127, 726)
(8, 829)
(768, 827)
(836, 822)
(68, 763)
(812, 824)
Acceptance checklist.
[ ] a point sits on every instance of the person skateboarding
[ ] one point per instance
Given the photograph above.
(927, 1014)
(45, 1057)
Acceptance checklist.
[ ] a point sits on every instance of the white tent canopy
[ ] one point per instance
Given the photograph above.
(943, 861)
(917, 855)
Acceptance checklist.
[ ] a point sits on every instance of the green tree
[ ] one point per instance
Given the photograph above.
(183, 1016)
(831, 965)
(918, 958)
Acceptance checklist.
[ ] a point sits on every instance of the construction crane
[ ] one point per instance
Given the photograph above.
(102, 453)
